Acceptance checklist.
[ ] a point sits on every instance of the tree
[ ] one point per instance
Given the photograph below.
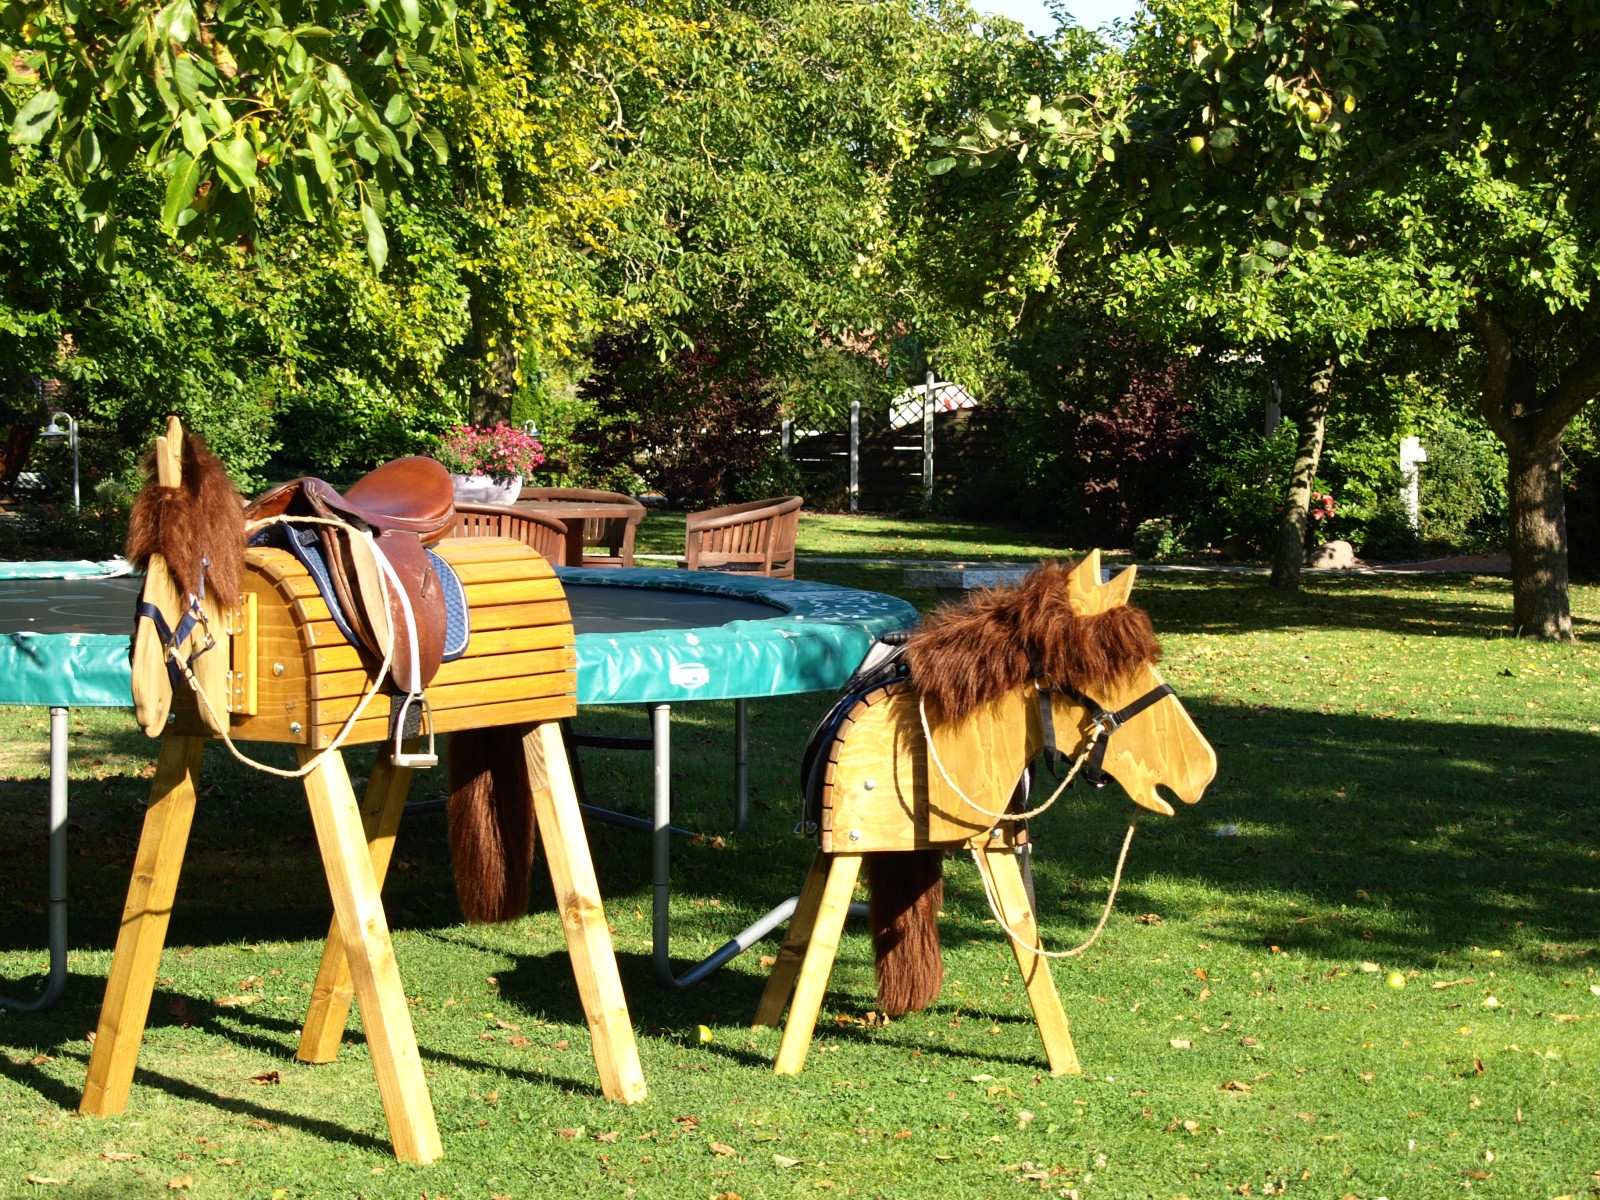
(1452, 140)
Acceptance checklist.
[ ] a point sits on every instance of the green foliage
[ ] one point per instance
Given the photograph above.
(1158, 538)
(310, 106)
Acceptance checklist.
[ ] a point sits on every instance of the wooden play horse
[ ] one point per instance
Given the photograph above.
(988, 687)
(251, 630)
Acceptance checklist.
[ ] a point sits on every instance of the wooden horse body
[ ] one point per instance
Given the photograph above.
(882, 796)
(290, 676)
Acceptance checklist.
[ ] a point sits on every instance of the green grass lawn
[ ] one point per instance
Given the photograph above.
(1408, 788)
(843, 536)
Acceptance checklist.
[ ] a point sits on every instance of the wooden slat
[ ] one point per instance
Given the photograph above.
(821, 949)
(145, 914)
(358, 911)
(502, 571)
(460, 695)
(999, 867)
(780, 984)
(334, 990)
(463, 670)
(523, 591)
(583, 917)
(460, 551)
(516, 712)
(511, 616)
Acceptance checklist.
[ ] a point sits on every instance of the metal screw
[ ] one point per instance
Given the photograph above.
(294, 728)
(172, 718)
(277, 668)
(855, 835)
(994, 834)
(869, 784)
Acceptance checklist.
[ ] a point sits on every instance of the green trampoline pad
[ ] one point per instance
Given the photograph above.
(65, 641)
(649, 636)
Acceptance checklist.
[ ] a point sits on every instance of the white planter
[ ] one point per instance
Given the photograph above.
(487, 489)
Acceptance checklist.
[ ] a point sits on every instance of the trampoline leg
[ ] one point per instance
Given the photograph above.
(661, 843)
(57, 981)
(741, 764)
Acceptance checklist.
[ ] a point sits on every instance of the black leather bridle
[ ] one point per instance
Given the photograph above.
(1108, 721)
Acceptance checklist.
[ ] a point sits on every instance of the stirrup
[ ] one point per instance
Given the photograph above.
(398, 755)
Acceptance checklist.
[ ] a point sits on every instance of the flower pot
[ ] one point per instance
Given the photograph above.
(487, 489)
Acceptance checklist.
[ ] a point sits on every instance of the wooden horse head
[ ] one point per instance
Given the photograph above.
(932, 762)
(1065, 634)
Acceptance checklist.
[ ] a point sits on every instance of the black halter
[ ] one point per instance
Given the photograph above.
(1107, 720)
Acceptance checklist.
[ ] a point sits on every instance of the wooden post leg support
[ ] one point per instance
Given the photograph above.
(358, 912)
(780, 984)
(1004, 878)
(334, 990)
(144, 927)
(594, 964)
(818, 963)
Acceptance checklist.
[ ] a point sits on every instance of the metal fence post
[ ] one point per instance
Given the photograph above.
(855, 455)
(927, 442)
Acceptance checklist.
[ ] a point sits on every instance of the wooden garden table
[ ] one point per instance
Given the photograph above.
(574, 513)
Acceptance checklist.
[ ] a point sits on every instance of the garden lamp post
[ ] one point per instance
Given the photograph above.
(53, 432)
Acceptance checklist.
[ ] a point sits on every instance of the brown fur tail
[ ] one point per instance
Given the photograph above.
(907, 894)
(490, 816)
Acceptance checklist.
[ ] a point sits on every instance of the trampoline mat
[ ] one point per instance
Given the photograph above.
(597, 608)
(69, 605)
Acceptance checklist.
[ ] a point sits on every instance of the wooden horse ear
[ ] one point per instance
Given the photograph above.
(1088, 596)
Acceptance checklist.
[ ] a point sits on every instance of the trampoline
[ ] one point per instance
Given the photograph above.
(650, 637)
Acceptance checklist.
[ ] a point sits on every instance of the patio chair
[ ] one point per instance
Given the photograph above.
(545, 534)
(754, 538)
(614, 533)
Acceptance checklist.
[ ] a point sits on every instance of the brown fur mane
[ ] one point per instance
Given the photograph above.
(963, 658)
(203, 518)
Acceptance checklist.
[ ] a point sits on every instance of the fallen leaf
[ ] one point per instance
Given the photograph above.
(266, 1077)
(1205, 994)
(982, 1078)
(1233, 1085)
(783, 1160)
(1308, 1118)
(1566, 1016)
(729, 1196)
(38, 1060)
(1440, 985)
(228, 1162)
(507, 1025)
(606, 1137)
(236, 1001)
(1192, 1126)
(260, 1124)
(117, 1156)
(1366, 1077)
(723, 1150)
(1148, 919)
(569, 1134)
(486, 1037)
(560, 1045)
(520, 1042)
(181, 1184)
(902, 1135)
(1200, 973)
(1181, 1044)
(43, 1179)
(1248, 1041)
(492, 1098)
(1370, 968)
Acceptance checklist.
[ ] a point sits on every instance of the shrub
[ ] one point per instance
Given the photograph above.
(1158, 538)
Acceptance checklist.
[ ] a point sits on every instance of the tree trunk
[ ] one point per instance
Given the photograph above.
(1539, 544)
(1291, 550)
(1530, 422)
(498, 361)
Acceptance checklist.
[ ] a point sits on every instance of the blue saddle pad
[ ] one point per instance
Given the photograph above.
(306, 546)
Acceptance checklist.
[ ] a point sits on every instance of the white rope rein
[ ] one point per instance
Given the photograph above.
(384, 574)
(1022, 940)
(1017, 938)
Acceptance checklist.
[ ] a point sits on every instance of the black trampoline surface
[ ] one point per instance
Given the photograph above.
(600, 609)
(69, 605)
(107, 606)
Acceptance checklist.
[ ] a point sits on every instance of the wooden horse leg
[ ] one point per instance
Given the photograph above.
(144, 927)
(780, 984)
(358, 911)
(1003, 877)
(818, 963)
(583, 917)
(334, 990)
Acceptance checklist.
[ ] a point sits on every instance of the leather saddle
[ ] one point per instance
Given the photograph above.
(405, 505)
